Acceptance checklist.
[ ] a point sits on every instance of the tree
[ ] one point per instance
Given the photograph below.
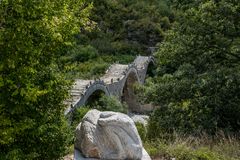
(33, 34)
(198, 87)
(128, 27)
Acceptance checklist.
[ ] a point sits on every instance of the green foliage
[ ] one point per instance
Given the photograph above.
(194, 148)
(83, 53)
(111, 103)
(93, 68)
(33, 34)
(128, 27)
(185, 4)
(182, 152)
(122, 59)
(122, 29)
(125, 48)
(104, 103)
(102, 43)
(142, 131)
(197, 87)
(87, 70)
(78, 114)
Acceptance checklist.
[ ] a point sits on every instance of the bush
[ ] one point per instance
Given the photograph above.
(142, 131)
(144, 31)
(103, 44)
(111, 103)
(219, 147)
(86, 70)
(78, 114)
(202, 103)
(122, 59)
(165, 23)
(83, 53)
(126, 48)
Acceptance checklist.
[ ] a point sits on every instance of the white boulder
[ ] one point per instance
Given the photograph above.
(109, 135)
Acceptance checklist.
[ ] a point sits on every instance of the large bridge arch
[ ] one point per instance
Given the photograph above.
(127, 93)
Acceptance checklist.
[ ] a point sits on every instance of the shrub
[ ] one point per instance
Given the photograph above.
(142, 131)
(84, 53)
(78, 114)
(126, 48)
(122, 59)
(86, 70)
(204, 147)
(165, 23)
(103, 45)
(111, 103)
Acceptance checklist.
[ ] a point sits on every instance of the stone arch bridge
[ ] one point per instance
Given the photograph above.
(117, 81)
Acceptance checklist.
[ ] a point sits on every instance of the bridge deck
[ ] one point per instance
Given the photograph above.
(114, 73)
(141, 61)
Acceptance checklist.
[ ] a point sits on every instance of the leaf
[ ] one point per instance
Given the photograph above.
(15, 92)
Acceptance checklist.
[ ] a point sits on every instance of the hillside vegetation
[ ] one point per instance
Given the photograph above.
(197, 84)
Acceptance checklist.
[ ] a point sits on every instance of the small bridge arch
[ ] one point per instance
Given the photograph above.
(151, 68)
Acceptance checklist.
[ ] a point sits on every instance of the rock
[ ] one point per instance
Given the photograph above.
(85, 135)
(146, 108)
(78, 156)
(145, 155)
(137, 118)
(109, 135)
(68, 157)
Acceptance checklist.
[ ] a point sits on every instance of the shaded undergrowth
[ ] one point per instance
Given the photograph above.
(204, 147)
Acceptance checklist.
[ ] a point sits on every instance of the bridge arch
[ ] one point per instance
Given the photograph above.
(132, 72)
(93, 92)
(150, 68)
(127, 93)
(94, 97)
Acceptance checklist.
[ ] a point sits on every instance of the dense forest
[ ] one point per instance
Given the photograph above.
(45, 45)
